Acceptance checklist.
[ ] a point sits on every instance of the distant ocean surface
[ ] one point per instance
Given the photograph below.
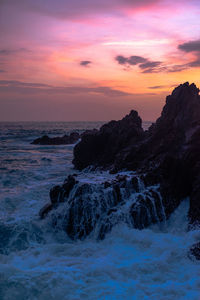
(38, 263)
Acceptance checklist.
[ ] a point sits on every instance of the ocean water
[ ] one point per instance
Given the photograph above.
(37, 262)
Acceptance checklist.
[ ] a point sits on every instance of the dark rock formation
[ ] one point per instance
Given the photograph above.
(195, 251)
(63, 140)
(81, 208)
(100, 147)
(57, 195)
(165, 158)
(168, 152)
(45, 210)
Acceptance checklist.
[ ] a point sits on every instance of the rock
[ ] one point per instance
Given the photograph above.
(195, 251)
(100, 147)
(107, 184)
(97, 207)
(69, 184)
(64, 140)
(164, 162)
(55, 194)
(45, 210)
(168, 153)
(58, 194)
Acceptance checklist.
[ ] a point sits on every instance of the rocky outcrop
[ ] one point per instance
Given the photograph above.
(195, 251)
(166, 165)
(81, 208)
(123, 144)
(63, 140)
(100, 147)
(168, 152)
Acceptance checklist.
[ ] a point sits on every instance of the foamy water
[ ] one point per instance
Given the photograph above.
(37, 262)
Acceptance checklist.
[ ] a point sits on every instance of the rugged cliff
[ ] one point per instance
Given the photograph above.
(162, 167)
(168, 152)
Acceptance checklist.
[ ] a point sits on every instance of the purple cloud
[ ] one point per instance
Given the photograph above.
(70, 9)
(191, 46)
(13, 51)
(146, 65)
(131, 60)
(32, 88)
(85, 63)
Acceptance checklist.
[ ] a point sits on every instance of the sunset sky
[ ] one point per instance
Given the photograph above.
(64, 60)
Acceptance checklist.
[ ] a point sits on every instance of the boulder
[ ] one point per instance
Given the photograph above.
(63, 140)
(195, 251)
(100, 147)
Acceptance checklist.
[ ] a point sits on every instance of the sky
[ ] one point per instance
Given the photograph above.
(94, 60)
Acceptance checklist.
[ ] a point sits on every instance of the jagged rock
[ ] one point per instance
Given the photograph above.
(91, 208)
(195, 251)
(45, 210)
(69, 184)
(58, 193)
(63, 140)
(99, 147)
(54, 194)
(168, 153)
(165, 162)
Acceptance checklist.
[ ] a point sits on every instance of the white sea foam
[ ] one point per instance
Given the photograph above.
(128, 264)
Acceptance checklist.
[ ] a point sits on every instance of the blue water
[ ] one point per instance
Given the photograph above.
(37, 262)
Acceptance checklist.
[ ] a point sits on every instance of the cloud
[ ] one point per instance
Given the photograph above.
(2, 71)
(32, 88)
(144, 64)
(191, 46)
(156, 87)
(195, 63)
(66, 9)
(150, 66)
(13, 51)
(177, 68)
(85, 63)
(131, 60)
(121, 59)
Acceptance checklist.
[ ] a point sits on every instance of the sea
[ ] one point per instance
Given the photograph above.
(39, 263)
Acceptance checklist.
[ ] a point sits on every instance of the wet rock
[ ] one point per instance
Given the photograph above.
(195, 251)
(135, 183)
(58, 194)
(91, 208)
(99, 147)
(165, 165)
(69, 184)
(107, 184)
(55, 193)
(167, 154)
(147, 210)
(63, 140)
(45, 210)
